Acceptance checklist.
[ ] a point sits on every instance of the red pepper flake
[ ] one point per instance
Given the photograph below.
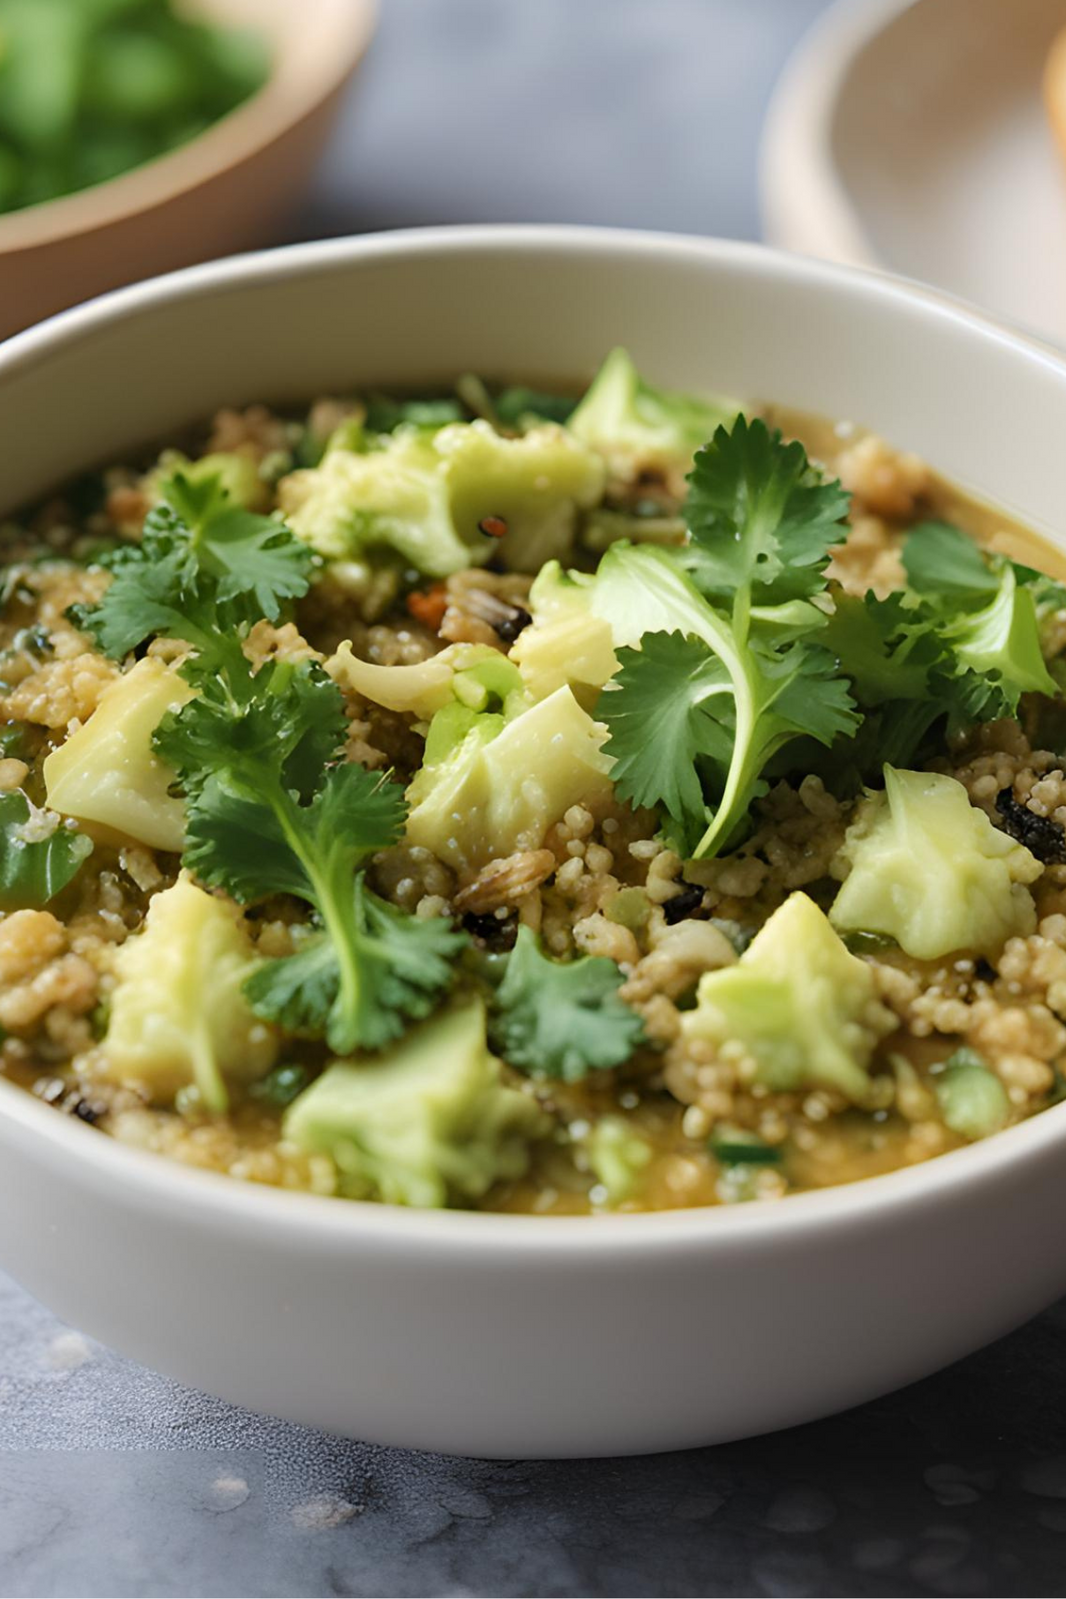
(493, 527)
(429, 606)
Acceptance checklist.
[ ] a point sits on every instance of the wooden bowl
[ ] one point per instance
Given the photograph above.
(218, 194)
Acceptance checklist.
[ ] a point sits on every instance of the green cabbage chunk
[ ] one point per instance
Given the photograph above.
(491, 785)
(566, 645)
(640, 428)
(178, 1013)
(617, 1157)
(797, 1011)
(108, 774)
(973, 1101)
(930, 870)
(423, 496)
(429, 1122)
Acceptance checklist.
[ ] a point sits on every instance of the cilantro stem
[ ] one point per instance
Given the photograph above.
(337, 910)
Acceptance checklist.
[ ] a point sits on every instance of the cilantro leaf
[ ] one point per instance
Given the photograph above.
(983, 611)
(142, 601)
(264, 817)
(249, 835)
(744, 685)
(1000, 642)
(203, 571)
(943, 564)
(674, 734)
(885, 646)
(286, 720)
(515, 404)
(562, 1019)
(390, 969)
(672, 703)
(761, 517)
(360, 990)
(371, 968)
(34, 870)
(248, 556)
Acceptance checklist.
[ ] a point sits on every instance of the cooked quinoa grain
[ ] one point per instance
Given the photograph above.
(444, 928)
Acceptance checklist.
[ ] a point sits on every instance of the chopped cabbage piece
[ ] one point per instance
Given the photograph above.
(930, 870)
(797, 1011)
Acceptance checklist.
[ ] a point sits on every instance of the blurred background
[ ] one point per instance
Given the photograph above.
(612, 112)
(919, 135)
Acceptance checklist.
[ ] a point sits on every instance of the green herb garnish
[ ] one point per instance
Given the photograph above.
(34, 869)
(561, 1018)
(92, 88)
(734, 669)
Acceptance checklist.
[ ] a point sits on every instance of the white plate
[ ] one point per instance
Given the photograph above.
(911, 134)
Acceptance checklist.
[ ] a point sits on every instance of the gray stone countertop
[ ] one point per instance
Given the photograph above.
(114, 1481)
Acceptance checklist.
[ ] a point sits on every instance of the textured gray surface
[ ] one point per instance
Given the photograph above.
(114, 1481)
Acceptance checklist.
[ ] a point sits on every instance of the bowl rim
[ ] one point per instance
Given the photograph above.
(158, 1179)
(258, 122)
(804, 203)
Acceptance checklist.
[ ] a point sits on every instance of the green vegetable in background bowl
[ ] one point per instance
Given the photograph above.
(90, 89)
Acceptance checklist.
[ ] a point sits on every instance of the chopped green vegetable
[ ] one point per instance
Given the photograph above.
(91, 88)
(179, 1015)
(618, 1156)
(736, 1146)
(518, 407)
(430, 1122)
(929, 870)
(281, 1085)
(12, 739)
(972, 1099)
(385, 415)
(562, 1018)
(641, 428)
(630, 907)
(38, 856)
(797, 1011)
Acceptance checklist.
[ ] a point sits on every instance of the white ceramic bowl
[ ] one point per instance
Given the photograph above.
(521, 1336)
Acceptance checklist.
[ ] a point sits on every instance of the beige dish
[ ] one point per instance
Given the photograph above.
(913, 135)
(217, 195)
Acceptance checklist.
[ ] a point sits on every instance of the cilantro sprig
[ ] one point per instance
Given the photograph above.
(750, 659)
(268, 812)
(959, 646)
(734, 669)
(561, 1019)
(203, 570)
(271, 808)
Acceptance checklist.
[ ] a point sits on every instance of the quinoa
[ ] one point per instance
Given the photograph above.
(602, 883)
